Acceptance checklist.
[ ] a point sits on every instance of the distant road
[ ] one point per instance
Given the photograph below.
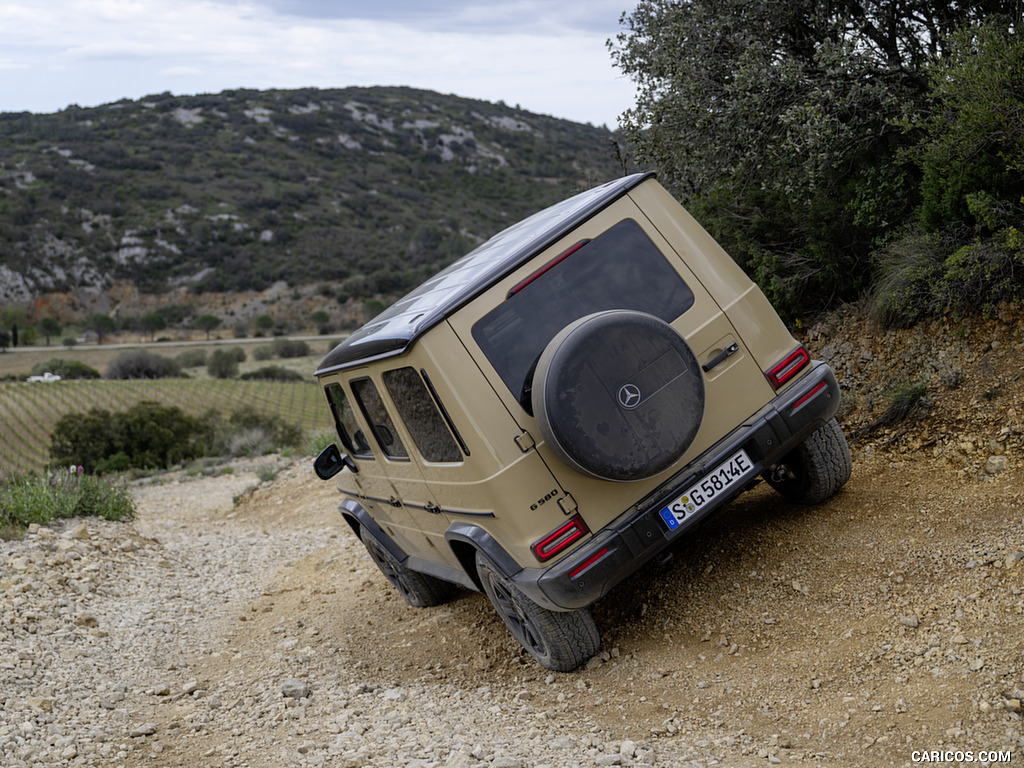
(163, 344)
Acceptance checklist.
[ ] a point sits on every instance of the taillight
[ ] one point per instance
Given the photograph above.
(559, 539)
(789, 367)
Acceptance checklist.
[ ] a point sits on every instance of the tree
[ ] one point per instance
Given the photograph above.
(264, 323)
(778, 123)
(153, 322)
(222, 364)
(102, 325)
(5, 341)
(973, 152)
(321, 320)
(206, 323)
(49, 327)
(10, 317)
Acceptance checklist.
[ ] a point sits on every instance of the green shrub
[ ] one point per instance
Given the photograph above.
(146, 436)
(192, 358)
(921, 274)
(262, 353)
(289, 348)
(140, 364)
(66, 369)
(61, 493)
(222, 364)
(273, 373)
(250, 433)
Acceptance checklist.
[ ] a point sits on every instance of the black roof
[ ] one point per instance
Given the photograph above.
(394, 330)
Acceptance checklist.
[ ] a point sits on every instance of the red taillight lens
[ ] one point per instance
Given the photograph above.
(564, 536)
(587, 563)
(808, 397)
(790, 366)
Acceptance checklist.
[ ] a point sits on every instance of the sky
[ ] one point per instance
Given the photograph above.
(546, 56)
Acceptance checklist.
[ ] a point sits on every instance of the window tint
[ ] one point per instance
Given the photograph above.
(351, 435)
(421, 416)
(619, 269)
(378, 418)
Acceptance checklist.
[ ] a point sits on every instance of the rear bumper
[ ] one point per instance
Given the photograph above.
(640, 534)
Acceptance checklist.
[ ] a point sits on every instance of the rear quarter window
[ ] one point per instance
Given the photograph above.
(619, 269)
(421, 416)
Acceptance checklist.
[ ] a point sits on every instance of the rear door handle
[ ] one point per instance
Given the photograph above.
(721, 357)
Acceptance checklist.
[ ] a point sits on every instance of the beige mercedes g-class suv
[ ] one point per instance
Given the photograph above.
(558, 407)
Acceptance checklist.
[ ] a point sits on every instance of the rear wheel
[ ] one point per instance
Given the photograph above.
(556, 640)
(816, 469)
(418, 589)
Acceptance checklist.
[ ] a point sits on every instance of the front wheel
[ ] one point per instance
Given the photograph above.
(560, 641)
(418, 589)
(816, 469)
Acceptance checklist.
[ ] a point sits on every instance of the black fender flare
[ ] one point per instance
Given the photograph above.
(358, 518)
(466, 539)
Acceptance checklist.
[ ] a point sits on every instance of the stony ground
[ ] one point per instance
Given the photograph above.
(234, 627)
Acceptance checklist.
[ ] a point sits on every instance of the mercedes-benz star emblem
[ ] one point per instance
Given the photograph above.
(629, 396)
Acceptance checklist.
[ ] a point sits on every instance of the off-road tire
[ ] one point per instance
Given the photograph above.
(418, 589)
(817, 468)
(560, 641)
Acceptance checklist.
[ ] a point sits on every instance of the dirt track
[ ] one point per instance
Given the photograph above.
(884, 622)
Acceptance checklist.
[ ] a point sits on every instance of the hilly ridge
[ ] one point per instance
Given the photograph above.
(369, 190)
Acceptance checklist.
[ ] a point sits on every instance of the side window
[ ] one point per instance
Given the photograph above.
(351, 434)
(377, 416)
(421, 416)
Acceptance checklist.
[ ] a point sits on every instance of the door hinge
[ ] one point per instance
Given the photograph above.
(525, 442)
(568, 505)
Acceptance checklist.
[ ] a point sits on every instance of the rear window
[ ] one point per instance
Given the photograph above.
(619, 269)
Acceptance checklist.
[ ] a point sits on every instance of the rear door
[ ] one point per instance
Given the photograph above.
(616, 260)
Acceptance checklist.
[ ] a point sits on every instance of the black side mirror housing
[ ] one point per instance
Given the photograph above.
(331, 461)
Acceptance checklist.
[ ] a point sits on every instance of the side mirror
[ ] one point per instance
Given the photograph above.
(331, 461)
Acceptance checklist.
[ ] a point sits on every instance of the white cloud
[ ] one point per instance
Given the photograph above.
(548, 57)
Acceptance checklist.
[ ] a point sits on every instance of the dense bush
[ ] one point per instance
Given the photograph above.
(57, 494)
(152, 436)
(222, 364)
(249, 433)
(192, 358)
(289, 348)
(140, 364)
(273, 373)
(922, 273)
(66, 369)
(779, 124)
(146, 436)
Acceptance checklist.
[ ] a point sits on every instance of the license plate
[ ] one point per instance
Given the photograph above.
(723, 477)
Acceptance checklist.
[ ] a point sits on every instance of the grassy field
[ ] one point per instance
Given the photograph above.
(28, 412)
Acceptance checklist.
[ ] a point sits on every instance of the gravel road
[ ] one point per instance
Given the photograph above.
(258, 634)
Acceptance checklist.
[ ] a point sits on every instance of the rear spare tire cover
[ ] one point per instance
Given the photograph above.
(618, 395)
